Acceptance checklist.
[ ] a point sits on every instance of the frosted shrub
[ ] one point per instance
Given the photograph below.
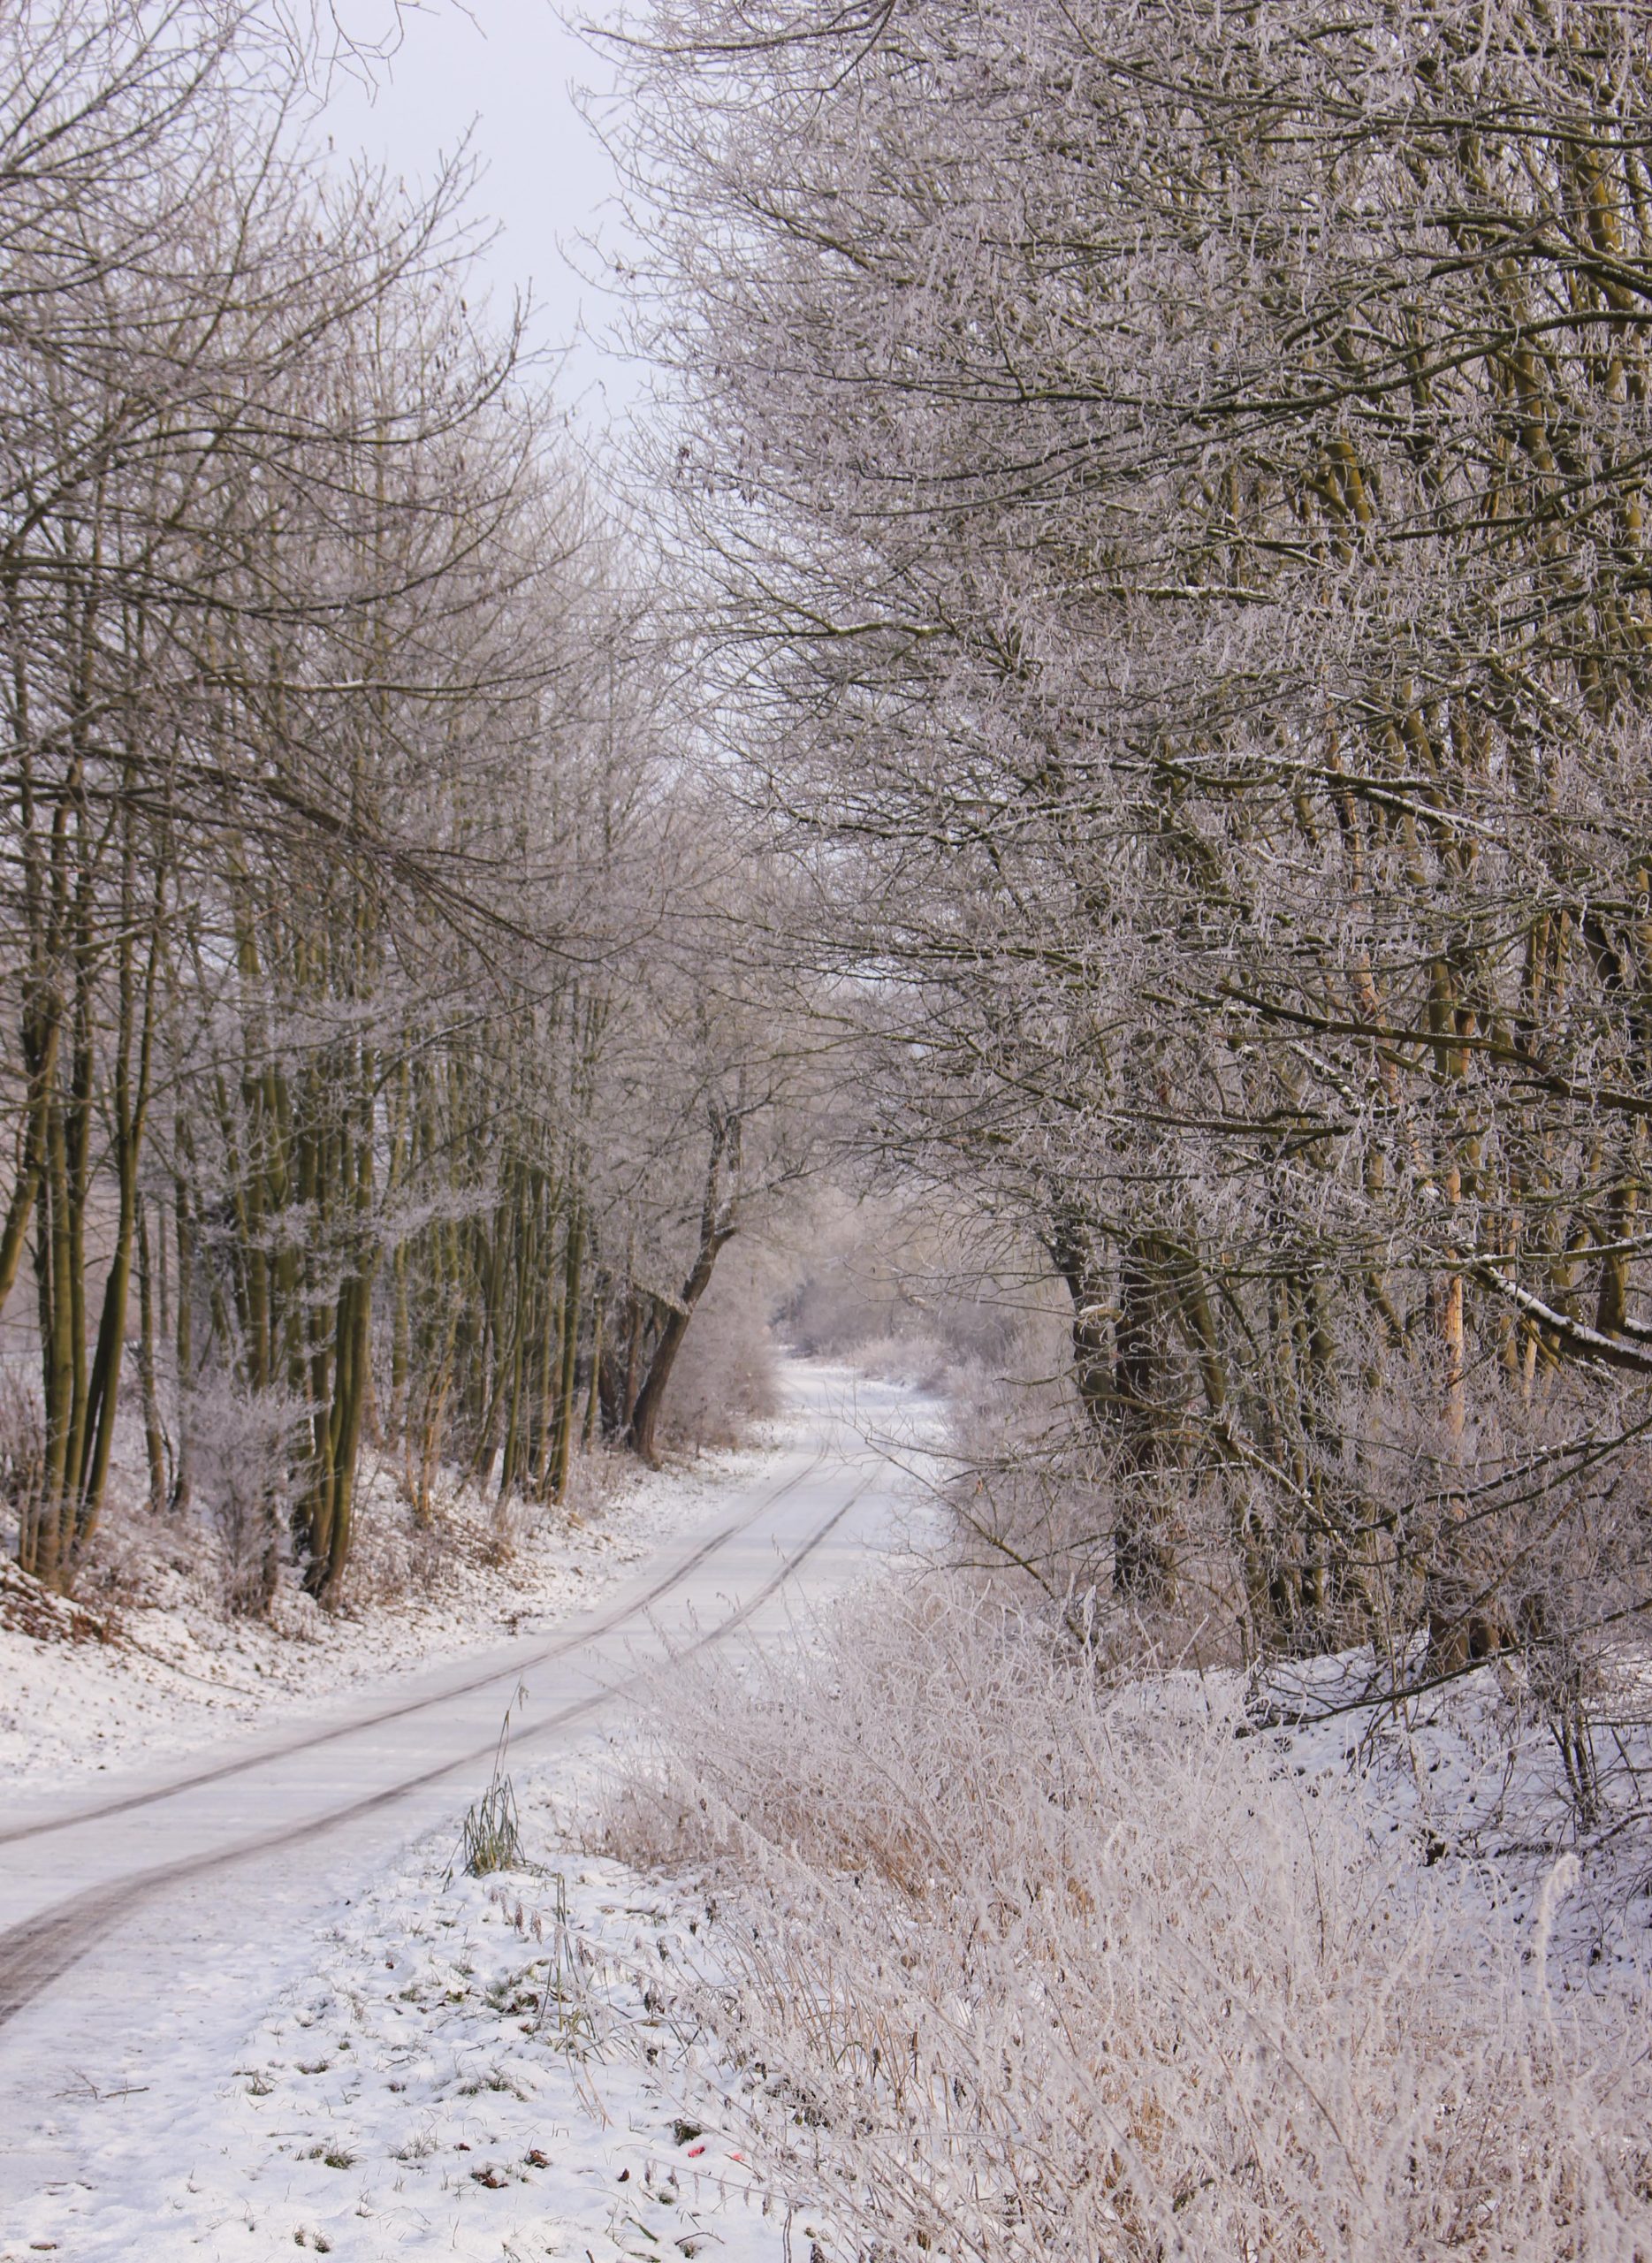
(725, 1377)
(1018, 1964)
(22, 1451)
(240, 1442)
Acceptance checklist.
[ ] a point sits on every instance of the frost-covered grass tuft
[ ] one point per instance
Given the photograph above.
(489, 1838)
(1019, 1964)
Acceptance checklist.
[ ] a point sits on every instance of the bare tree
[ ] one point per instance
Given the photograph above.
(1169, 494)
(340, 847)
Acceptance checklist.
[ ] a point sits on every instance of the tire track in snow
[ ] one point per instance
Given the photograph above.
(37, 1952)
(561, 1648)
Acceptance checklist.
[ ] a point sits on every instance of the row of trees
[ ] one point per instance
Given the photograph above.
(371, 1064)
(1172, 483)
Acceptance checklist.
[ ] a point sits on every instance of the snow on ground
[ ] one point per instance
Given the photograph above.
(450, 2066)
(1471, 1770)
(180, 1675)
(469, 2068)
(488, 2069)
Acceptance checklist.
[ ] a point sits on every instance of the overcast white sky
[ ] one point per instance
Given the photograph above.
(507, 66)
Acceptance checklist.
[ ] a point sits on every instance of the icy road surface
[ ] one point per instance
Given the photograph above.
(146, 1931)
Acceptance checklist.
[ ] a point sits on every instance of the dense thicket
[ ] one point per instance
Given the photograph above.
(1018, 1959)
(1172, 485)
(367, 1058)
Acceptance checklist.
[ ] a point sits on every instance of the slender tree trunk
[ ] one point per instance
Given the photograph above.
(574, 1260)
(154, 1434)
(1143, 1548)
(717, 1230)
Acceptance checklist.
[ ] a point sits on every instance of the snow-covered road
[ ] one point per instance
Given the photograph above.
(144, 1933)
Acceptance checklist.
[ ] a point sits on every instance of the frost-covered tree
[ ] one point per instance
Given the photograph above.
(1170, 484)
(355, 941)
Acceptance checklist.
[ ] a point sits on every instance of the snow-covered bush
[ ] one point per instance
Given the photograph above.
(240, 1443)
(22, 1448)
(1018, 1963)
(725, 1378)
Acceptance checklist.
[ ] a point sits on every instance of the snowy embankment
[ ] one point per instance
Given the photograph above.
(462, 2068)
(169, 1673)
(1040, 1958)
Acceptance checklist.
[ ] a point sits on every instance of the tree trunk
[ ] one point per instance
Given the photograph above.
(716, 1230)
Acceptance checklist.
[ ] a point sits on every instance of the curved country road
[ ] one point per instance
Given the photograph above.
(163, 1911)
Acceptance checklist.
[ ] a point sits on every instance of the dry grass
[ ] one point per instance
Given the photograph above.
(1022, 1965)
(28, 1608)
